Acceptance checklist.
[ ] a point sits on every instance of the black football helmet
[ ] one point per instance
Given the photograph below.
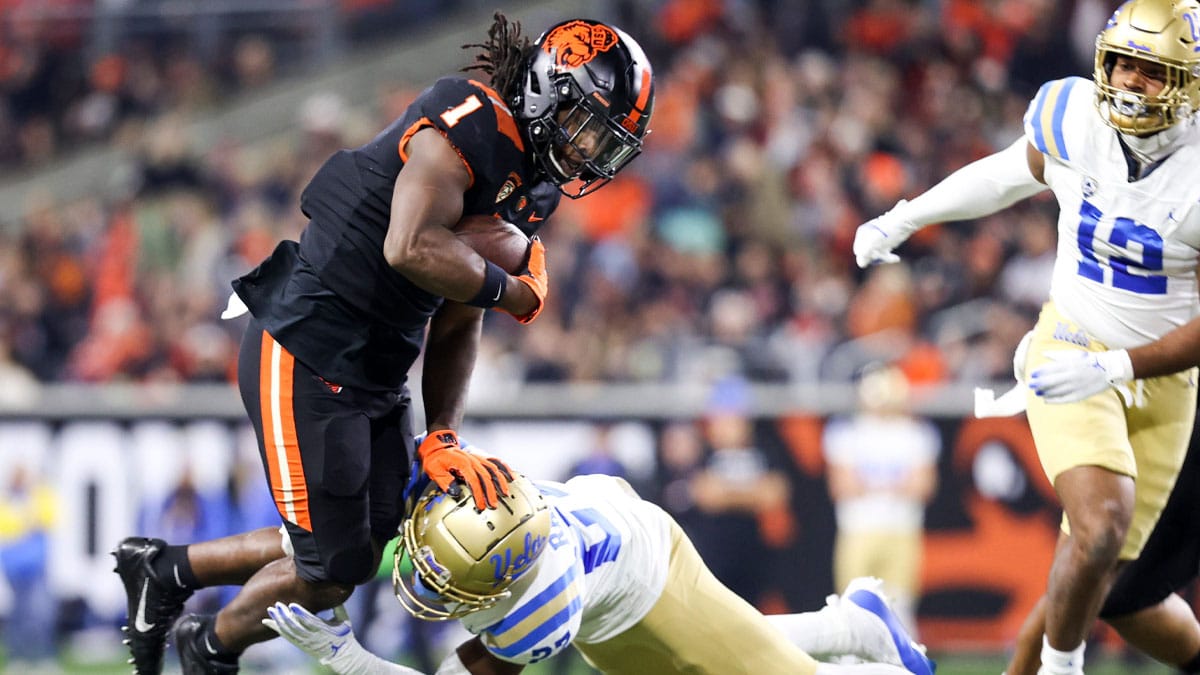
(585, 101)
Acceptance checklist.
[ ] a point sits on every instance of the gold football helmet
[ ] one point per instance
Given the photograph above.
(464, 560)
(1166, 32)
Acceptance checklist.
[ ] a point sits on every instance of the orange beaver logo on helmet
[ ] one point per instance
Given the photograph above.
(577, 42)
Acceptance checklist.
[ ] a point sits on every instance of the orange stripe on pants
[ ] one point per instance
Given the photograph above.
(280, 444)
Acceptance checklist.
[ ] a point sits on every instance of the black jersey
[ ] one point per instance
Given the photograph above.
(332, 300)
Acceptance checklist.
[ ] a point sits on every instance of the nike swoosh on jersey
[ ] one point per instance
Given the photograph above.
(139, 620)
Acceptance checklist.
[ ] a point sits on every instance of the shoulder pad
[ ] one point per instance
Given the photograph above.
(474, 119)
(546, 617)
(1059, 117)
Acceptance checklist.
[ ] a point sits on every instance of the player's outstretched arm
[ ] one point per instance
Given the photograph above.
(333, 644)
(980, 188)
(450, 348)
(330, 642)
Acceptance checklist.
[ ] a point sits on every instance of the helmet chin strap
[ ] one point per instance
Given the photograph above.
(1152, 148)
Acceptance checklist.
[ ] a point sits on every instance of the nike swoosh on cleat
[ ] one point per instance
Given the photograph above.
(139, 621)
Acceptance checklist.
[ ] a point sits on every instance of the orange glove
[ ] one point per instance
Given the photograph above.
(444, 462)
(536, 278)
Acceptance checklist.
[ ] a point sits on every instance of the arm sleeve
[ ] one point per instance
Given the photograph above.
(980, 188)
(354, 659)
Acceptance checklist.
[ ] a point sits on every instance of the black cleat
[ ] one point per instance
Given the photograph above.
(152, 606)
(196, 657)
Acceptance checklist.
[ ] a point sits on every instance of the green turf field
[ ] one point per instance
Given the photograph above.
(958, 664)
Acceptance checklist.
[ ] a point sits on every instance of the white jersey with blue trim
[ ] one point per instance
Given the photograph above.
(1127, 249)
(603, 568)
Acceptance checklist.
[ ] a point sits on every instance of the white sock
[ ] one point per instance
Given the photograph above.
(822, 633)
(1055, 662)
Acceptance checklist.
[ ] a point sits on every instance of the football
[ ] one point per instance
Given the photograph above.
(496, 240)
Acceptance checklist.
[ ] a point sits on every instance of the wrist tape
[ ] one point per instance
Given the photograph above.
(495, 280)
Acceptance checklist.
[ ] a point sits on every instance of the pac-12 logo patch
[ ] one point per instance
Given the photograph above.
(505, 191)
(513, 182)
(1088, 186)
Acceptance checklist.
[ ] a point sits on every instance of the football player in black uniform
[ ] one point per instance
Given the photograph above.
(340, 317)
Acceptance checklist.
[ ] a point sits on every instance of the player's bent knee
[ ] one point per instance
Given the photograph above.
(1101, 530)
(1102, 543)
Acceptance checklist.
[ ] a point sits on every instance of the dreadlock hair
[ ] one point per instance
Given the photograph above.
(502, 56)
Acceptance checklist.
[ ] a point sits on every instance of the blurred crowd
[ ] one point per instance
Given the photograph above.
(78, 72)
(725, 248)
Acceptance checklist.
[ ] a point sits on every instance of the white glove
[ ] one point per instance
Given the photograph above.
(323, 640)
(875, 239)
(330, 642)
(1073, 374)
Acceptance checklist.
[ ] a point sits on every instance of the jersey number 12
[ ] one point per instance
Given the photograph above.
(1127, 274)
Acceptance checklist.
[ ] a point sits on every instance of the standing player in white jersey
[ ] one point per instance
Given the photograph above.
(1122, 157)
(1144, 604)
(588, 563)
